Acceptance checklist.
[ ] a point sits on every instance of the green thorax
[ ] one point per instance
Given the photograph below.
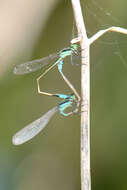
(69, 51)
(74, 47)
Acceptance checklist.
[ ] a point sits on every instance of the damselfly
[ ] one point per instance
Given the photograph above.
(72, 100)
(35, 127)
(37, 64)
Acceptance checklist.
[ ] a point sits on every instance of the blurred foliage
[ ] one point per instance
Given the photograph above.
(52, 159)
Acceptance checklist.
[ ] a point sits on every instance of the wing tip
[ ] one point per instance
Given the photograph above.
(16, 71)
(16, 140)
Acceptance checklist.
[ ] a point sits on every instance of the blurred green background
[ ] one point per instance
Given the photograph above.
(33, 29)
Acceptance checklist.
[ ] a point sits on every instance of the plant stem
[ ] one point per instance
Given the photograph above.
(85, 88)
(85, 97)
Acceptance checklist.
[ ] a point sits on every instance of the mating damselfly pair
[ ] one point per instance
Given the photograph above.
(69, 101)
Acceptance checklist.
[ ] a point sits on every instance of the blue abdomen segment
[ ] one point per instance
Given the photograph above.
(62, 96)
(63, 106)
(60, 65)
(66, 104)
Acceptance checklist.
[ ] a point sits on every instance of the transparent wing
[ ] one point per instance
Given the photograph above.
(33, 65)
(75, 59)
(33, 128)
